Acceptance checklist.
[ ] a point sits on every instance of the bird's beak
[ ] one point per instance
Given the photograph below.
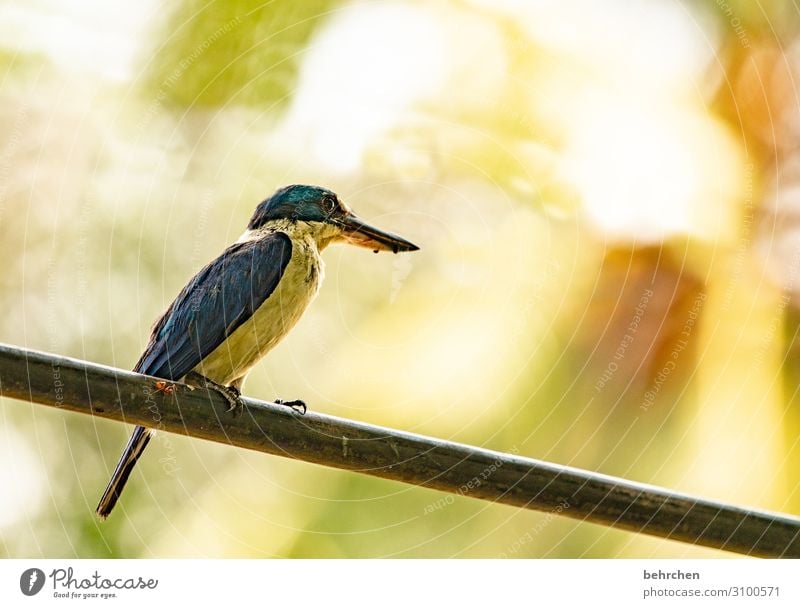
(357, 232)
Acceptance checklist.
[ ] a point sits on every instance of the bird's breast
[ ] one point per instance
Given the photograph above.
(298, 286)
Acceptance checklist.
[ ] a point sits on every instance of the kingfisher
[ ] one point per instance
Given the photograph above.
(240, 305)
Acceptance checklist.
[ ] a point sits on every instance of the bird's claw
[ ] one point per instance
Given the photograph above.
(298, 405)
(236, 407)
(231, 394)
(234, 398)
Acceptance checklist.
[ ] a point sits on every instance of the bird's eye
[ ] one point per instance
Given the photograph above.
(328, 204)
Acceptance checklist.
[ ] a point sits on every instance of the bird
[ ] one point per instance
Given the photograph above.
(241, 304)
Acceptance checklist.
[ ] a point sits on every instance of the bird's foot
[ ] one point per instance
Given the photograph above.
(231, 394)
(298, 405)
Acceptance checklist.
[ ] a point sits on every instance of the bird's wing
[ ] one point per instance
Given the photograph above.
(221, 297)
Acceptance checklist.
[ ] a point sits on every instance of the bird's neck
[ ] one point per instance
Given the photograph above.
(319, 234)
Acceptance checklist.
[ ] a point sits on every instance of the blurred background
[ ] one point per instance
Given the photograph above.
(607, 196)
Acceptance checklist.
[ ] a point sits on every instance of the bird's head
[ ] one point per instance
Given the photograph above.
(330, 217)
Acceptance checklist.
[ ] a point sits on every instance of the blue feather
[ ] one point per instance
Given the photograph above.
(221, 297)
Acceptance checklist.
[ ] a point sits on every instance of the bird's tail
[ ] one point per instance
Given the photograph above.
(136, 445)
